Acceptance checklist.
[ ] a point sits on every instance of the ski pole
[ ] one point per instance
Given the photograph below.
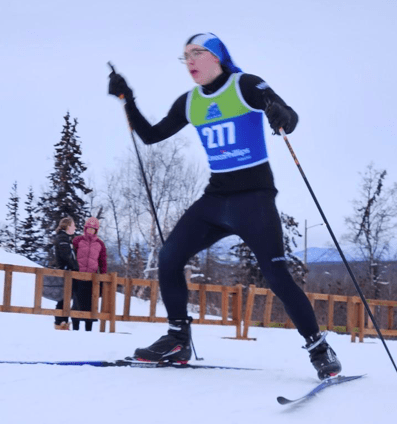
(149, 194)
(148, 191)
(282, 132)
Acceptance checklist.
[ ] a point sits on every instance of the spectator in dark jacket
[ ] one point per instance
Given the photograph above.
(65, 259)
(91, 257)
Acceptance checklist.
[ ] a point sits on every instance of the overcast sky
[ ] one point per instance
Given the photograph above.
(333, 61)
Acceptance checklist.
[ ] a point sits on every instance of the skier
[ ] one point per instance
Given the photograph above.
(91, 256)
(65, 259)
(227, 108)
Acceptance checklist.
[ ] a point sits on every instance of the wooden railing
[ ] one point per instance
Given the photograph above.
(368, 329)
(231, 311)
(236, 294)
(357, 320)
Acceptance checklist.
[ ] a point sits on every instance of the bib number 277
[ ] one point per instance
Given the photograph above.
(220, 135)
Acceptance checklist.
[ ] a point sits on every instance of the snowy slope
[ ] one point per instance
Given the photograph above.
(75, 395)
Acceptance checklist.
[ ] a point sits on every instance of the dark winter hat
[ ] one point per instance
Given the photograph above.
(92, 223)
(212, 43)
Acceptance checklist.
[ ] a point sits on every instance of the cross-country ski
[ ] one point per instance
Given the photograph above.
(129, 364)
(328, 382)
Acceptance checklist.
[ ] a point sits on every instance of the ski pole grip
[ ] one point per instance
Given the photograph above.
(111, 67)
(121, 97)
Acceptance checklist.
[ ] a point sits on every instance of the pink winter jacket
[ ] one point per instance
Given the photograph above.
(90, 252)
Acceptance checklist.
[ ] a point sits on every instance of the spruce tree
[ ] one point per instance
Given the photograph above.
(12, 231)
(31, 242)
(3, 235)
(63, 197)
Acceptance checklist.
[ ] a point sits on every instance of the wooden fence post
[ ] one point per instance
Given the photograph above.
(38, 290)
(112, 302)
(267, 315)
(154, 290)
(127, 298)
(237, 304)
(95, 295)
(372, 309)
(361, 321)
(331, 309)
(351, 318)
(248, 309)
(105, 305)
(203, 302)
(7, 288)
(390, 317)
(225, 304)
(67, 293)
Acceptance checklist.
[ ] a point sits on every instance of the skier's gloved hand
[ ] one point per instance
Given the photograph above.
(118, 87)
(281, 116)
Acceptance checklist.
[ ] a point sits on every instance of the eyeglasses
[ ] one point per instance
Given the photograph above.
(194, 54)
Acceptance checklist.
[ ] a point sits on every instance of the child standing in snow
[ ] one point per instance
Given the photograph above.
(65, 259)
(91, 257)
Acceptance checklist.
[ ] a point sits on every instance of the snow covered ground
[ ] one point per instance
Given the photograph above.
(45, 394)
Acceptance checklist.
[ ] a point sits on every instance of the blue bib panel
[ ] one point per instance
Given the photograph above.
(231, 132)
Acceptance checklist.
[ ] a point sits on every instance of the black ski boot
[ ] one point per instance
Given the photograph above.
(322, 356)
(174, 347)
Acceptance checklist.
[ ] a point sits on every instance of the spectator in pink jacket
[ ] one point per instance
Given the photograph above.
(91, 256)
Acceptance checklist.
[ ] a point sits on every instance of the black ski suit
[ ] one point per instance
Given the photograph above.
(65, 259)
(238, 202)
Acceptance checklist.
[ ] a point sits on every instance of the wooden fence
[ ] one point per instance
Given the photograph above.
(231, 298)
(357, 322)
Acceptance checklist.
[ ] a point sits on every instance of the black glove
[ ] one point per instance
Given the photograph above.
(281, 116)
(119, 88)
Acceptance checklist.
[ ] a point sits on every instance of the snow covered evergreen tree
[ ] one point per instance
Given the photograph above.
(63, 197)
(30, 238)
(11, 232)
(3, 235)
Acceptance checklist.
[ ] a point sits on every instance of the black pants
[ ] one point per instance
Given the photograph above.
(60, 320)
(251, 215)
(82, 298)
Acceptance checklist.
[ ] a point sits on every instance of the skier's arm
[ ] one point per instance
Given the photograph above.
(259, 95)
(167, 127)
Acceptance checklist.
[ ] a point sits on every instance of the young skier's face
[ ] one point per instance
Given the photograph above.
(203, 66)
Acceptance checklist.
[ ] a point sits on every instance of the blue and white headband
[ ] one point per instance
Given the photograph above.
(212, 43)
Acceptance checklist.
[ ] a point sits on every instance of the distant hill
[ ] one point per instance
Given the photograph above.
(314, 254)
(326, 254)
(221, 250)
(330, 254)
